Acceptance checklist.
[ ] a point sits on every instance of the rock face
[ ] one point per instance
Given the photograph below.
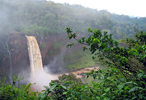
(19, 53)
(80, 73)
(54, 59)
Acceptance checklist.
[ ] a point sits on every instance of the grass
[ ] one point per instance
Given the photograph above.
(58, 45)
(51, 51)
(87, 80)
(78, 59)
(74, 58)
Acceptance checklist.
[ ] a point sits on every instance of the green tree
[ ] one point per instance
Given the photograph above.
(129, 60)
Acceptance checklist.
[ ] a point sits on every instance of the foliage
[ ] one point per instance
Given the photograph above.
(42, 46)
(59, 88)
(129, 60)
(112, 85)
(8, 92)
(108, 85)
(114, 82)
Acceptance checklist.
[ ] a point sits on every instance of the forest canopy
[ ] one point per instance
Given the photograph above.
(46, 18)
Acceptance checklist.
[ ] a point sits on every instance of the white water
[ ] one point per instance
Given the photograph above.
(38, 75)
(10, 60)
(34, 54)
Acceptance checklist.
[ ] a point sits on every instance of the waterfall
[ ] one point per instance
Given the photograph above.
(34, 54)
(10, 60)
(38, 75)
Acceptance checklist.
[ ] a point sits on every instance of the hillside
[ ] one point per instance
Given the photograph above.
(46, 18)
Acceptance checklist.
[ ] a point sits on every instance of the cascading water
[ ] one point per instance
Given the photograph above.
(34, 54)
(10, 75)
(38, 75)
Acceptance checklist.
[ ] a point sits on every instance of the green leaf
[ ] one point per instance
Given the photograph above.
(74, 35)
(63, 86)
(98, 98)
(126, 60)
(134, 97)
(131, 90)
(84, 48)
(107, 89)
(79, 41)
(69, 45)
(43, 91)
(68, 30)
(42, 95)
(93, 57)
(106, 98)
(136, 53)
(103, 45)
(94, 76)
(131, 83)
(87, 74)
(143, 57)
(126, 88)
(89, 30)
(46, 87)
(134, 88)
(103, 94)
(140, 75)
(96, 40)
(64, 92)
(92, 71)
(120, 86)
(69, 98)
(140, 96)
(52, 87)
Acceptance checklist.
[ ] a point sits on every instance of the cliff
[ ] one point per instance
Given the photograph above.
(55, 56)
(19, 52)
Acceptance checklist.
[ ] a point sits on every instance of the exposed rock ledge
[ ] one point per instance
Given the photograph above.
(81, 72)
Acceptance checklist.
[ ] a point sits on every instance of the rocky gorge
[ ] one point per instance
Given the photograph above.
(55, 56)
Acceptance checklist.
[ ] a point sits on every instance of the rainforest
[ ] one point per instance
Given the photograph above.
(59, 51)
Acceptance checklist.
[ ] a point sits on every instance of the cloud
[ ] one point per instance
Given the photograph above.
(127, 7)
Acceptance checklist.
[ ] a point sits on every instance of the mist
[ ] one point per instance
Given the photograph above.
(38, 79)
(57, 64)
(41, 79)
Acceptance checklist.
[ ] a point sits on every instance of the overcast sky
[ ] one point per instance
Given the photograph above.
(126, 7)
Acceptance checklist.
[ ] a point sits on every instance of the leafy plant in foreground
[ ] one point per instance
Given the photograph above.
(8, 92)
(129, 60)
(109, 85)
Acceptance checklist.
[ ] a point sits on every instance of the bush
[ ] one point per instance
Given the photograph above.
(8, 92)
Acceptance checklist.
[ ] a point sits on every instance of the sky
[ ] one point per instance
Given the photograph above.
(135, 8)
